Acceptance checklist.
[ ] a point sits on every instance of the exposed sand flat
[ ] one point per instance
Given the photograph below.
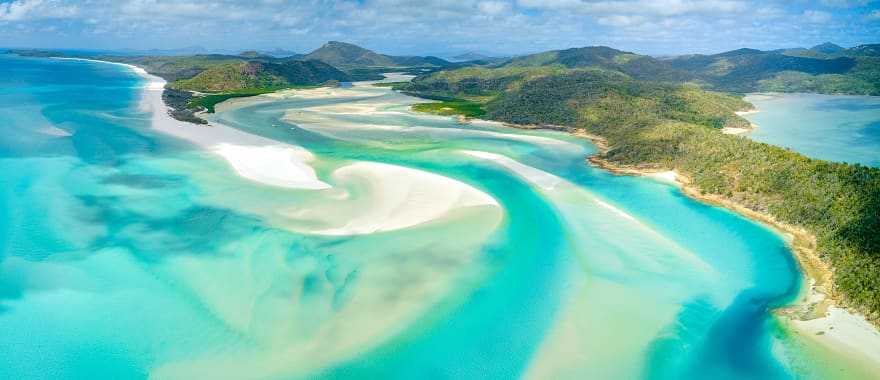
(253, 157)
(276, 165)
(565, 189)
(541, 178)
(388, 197)
(356, 108)
(844, 332)
(315, 120)
(325, 93)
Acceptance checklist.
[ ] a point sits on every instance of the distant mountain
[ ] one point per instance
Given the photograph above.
(281, 53)
(343, 54)
(634, 65)
(825, 68)
(870, 50)
(827, 48)
(347, 56)
(261, 75)
(189, 50)
(254, 54)
(474, 56)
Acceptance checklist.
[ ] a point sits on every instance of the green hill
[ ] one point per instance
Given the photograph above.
(634, 65)
(825, 68)
(260, 75)
(822, 69)
(661, 125)
(348, 56)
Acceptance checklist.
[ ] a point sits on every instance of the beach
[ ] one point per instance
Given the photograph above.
(815, 313)
(846, 323)
(399, 197)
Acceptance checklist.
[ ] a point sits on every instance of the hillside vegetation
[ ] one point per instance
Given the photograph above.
(253, 75)
(348, 56)
(825, 68)
(662, 125)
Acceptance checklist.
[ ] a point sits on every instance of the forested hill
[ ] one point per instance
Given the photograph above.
(238, 76)
(348, 56)
(825, 68)
(661, 125)
(822, 69)
(634, 65)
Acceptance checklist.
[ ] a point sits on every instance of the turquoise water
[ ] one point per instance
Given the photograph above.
(829, 127)
(125, 253)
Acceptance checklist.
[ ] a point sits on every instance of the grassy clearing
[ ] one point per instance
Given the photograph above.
(452, 107)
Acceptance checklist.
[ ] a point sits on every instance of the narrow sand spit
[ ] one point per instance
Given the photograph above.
(399, 197)
(253, 157)
(55, 131)
(541, 178)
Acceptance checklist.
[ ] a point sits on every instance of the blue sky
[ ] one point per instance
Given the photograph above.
(440, 27)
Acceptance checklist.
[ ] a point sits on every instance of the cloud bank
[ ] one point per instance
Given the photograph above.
(438, 26)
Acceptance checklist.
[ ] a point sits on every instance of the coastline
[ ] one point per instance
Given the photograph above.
(816, 309)
(817, 313)
(742, 131)
(273, 163)
(252, 157)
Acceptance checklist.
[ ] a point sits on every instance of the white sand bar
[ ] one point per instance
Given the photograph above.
(844, 332)
(536, 176)
(276, 165)
(391, 197)
(253, 157)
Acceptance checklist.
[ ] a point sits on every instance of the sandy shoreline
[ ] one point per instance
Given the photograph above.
(404, 197)
(817, 313)
(252, 157)
(256, 158)
(814, 311)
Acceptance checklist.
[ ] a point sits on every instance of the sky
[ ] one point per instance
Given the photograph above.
(439, 27)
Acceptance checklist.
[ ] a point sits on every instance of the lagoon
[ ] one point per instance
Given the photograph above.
(436, 249)
(839, 128)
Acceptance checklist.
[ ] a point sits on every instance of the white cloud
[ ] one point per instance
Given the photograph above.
(655, 7)
(816, 17)
(493, 7)
(24, 10)
(621, 20)
(845, 3)
(409, 27)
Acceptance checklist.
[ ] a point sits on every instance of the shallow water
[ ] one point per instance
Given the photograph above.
(128, 254)
(829, 127)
